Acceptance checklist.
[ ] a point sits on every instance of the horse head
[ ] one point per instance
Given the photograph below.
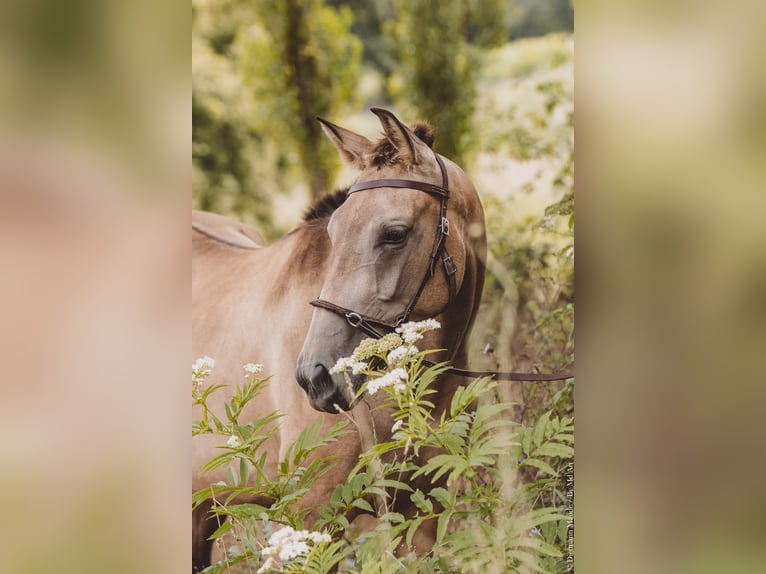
(407, 243)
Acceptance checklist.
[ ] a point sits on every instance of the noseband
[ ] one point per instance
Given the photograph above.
(372, 326)
(375, 327)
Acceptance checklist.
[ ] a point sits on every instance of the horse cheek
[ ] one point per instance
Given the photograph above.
(388, 280)
(436, 295)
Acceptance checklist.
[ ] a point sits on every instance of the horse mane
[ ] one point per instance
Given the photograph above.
(384, 153)
(325, 205)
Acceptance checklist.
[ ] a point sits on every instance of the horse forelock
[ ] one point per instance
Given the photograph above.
(384, 152)
(325, 205)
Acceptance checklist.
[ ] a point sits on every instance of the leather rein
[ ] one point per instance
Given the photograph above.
(376, 327)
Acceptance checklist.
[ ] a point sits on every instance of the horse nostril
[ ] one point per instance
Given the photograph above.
(315, 379)
(319, 374)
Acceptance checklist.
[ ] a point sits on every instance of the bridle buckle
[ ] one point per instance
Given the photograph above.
(444, 226)
(449, 265)
(354, 319)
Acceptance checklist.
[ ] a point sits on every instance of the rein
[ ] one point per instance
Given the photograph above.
(372, 326)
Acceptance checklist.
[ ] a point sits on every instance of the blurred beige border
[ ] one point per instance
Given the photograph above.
(671, 285)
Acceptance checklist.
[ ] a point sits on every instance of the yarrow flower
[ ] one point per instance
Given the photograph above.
(397, 355)
(201, 369)
(396, 347)
(289, 543)
(233, 441)
(252, 369)
(396, 378)
(413, 330)
(348, 363)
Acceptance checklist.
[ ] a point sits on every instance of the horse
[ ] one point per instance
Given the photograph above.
(405, 242)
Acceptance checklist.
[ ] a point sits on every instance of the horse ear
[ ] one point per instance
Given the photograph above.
(410, 147)
(353, 148)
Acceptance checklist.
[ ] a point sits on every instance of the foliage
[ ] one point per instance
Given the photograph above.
(460, 469)
(538, 17)
(439, 67)
(300, 61)
(224, 140)
(369, 19)
(526, 112)
(261, 72)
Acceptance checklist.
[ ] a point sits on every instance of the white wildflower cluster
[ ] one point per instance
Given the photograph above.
(348, 363)
(396, 347)
(396, 378)
(413, 330)
(397, 356)
(201, 369)
(233, 441)
(252, 369)
(289, 543)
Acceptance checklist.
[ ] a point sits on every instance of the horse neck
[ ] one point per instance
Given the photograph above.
(304, 253)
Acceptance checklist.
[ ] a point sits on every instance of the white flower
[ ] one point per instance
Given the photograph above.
(289, 543)
(398, 354)
(395, 378)
(348, 363)
(413, 330)
(358, 367)
(397, 425)
(201, 369)
(252, 369)
(233, 441)
(318, 537)
(266, 566)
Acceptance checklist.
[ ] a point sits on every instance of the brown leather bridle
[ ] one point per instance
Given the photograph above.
(372, 326)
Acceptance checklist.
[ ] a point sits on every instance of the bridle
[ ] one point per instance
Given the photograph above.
(438, 251)
(376, 327)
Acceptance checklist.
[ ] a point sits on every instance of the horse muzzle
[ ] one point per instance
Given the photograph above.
(324, 392)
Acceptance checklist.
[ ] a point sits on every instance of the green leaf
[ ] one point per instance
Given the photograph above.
(413, 528)
(421, 502)
(442, 496)
(362, 504)
(217, 461)
(221, 530)
(392, 517)
(244, 470)
(540, 428)
(391, 483)
(544, 466)
(555, 449)
(441, 525)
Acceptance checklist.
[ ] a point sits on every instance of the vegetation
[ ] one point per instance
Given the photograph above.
(300, 61)
(499, 491)
(438, 66)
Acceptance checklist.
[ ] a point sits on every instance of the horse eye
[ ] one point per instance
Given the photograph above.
(394, 235)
